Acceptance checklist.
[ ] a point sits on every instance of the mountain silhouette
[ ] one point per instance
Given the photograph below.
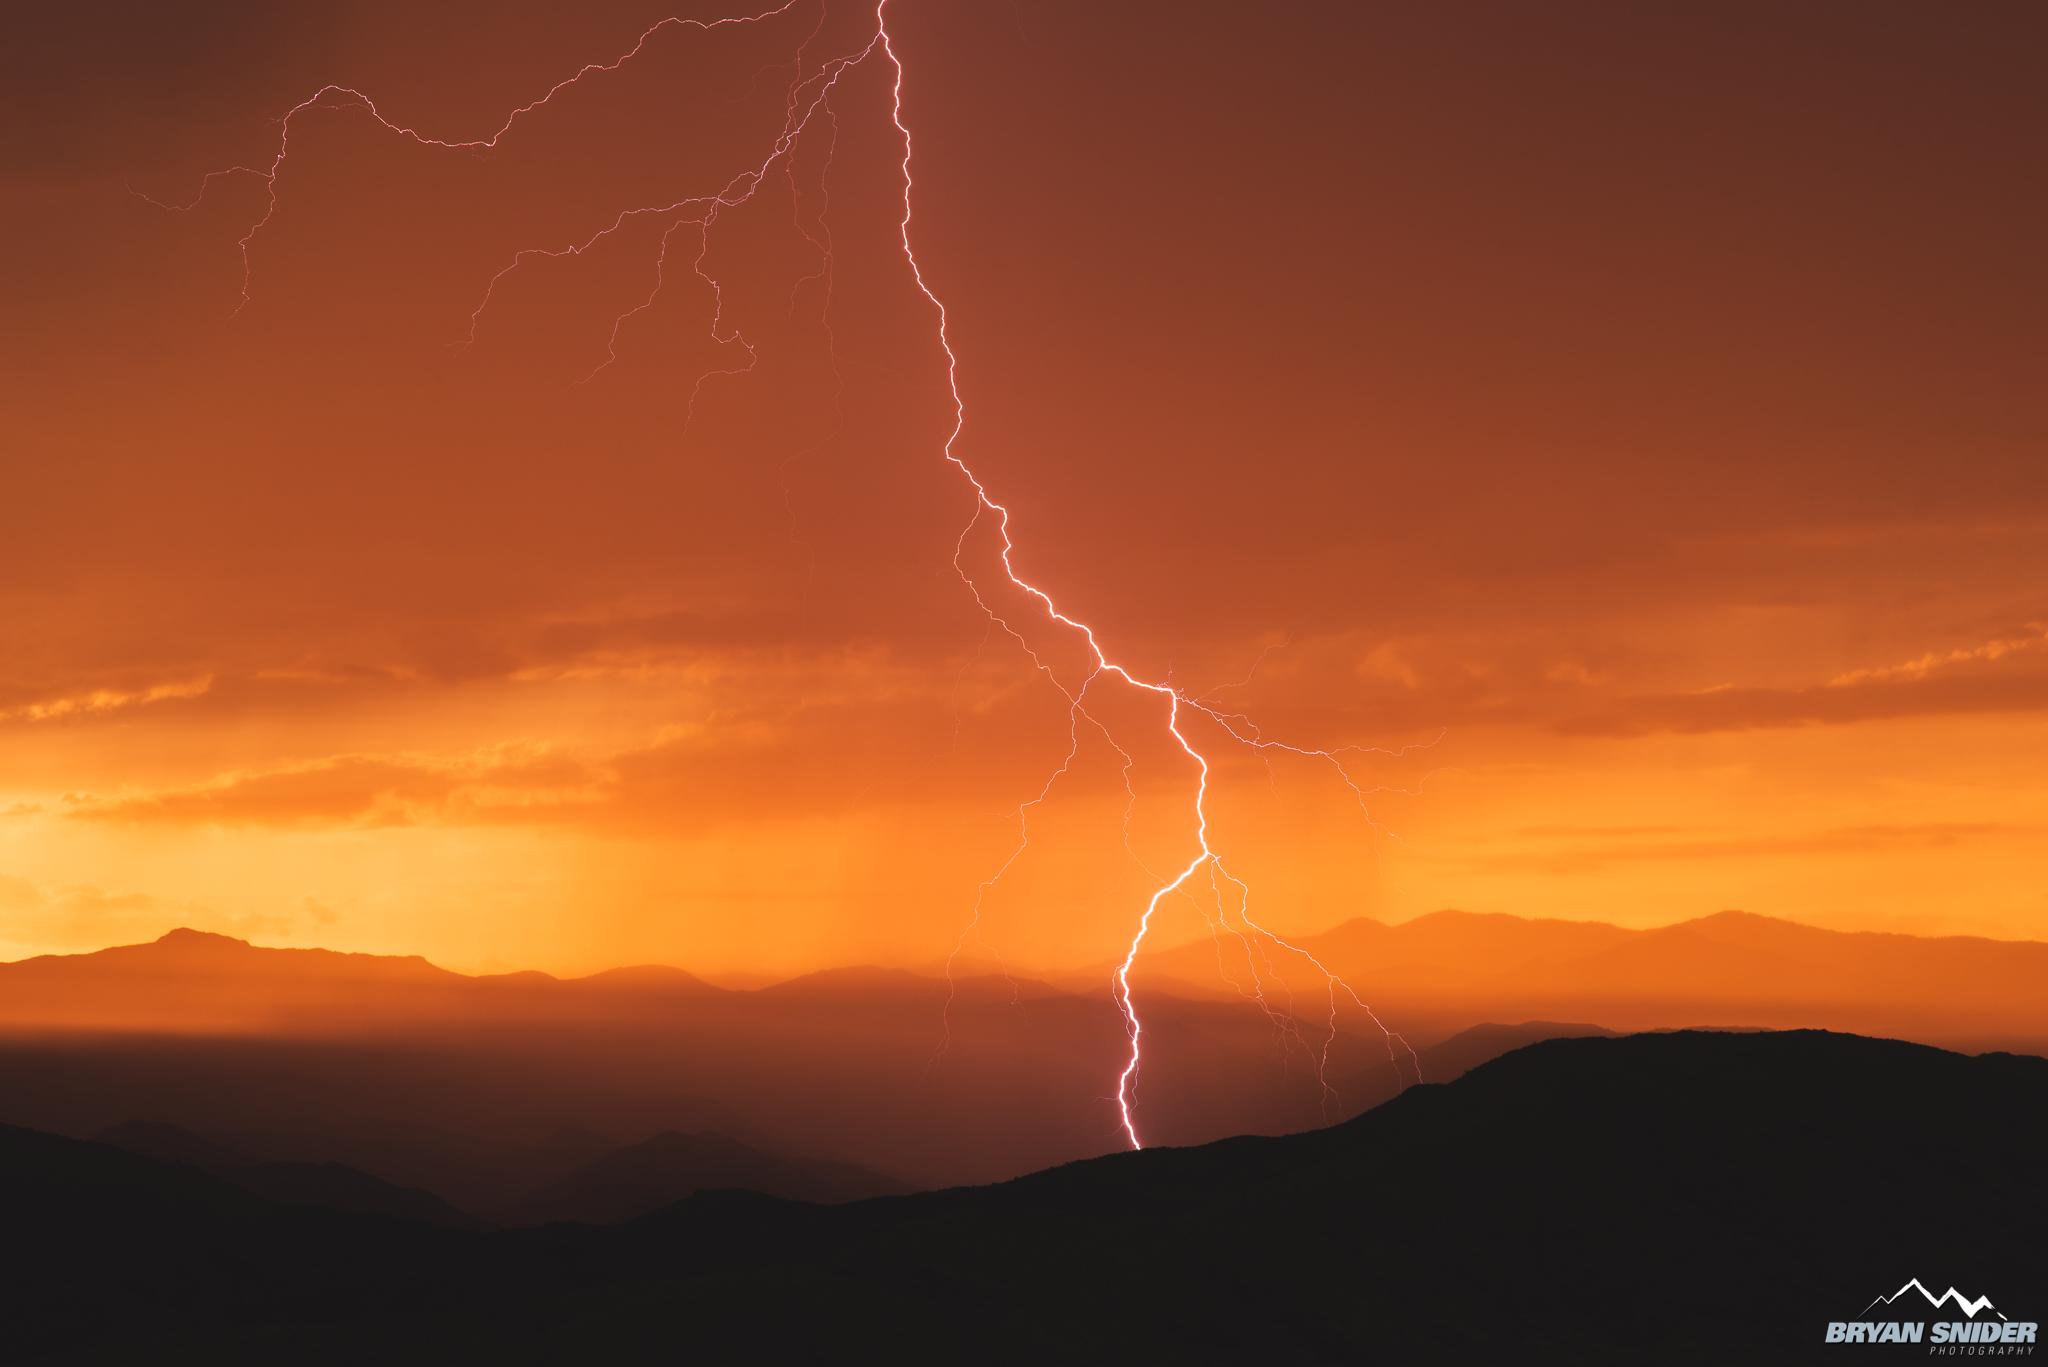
(1450, 1059)
(174, 1144)
(669, 1166)
(1731, 968)
(451, 1084)
(192, 981)
(1679, 1197)
(329, 1185)
(1435, 974)
(438, 1081)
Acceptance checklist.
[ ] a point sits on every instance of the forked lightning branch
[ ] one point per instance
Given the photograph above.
(1194, 726)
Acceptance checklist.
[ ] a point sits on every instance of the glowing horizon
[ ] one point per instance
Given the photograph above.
(466, 674)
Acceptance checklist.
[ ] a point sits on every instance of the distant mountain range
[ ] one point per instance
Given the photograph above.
(329, 1186)
(1733, 968)
(523, 1126)
(1681, 1197)
(669, 1166)
(191, 981)
(614, 1185)
(483, 1090)
(1444, 970)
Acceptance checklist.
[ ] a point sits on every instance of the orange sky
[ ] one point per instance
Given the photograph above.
(1639, 410)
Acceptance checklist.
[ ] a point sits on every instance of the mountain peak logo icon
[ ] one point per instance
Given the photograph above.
(1963, 1303)
(1908, 1323)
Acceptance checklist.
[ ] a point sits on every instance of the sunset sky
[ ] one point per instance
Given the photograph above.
(1630, 418)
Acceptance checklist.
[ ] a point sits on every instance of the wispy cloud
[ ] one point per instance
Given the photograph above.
(1998, 648)
(1999, 675)
(364, 790)
(93, 701)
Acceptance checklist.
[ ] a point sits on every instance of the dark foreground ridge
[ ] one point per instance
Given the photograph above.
(1667, 1198)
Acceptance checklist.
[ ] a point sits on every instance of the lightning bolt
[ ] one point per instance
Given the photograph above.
(1176, 703)
(808, 97)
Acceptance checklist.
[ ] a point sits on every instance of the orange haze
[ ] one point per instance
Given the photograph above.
(1636, 409)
